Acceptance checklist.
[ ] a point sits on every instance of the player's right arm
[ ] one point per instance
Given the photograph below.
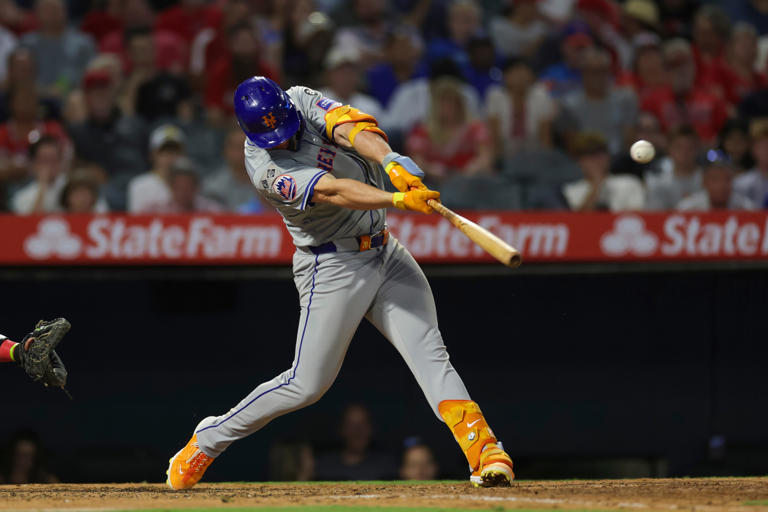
(357, 195)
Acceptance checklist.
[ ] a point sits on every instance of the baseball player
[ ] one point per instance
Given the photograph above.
(323, 166)
(36, 353)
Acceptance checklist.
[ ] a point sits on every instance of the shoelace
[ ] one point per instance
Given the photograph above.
(197, 460)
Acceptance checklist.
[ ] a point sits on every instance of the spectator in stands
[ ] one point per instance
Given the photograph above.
(646, 128)
(411, 101)
(681, 178)
(639, 23)
(599, 190)
(711, 32)
(81, 193)
(22, 129)
(342, 74)
(150, 191)
(718, 192)
(648, 73)
(450, 141)
(734, 141)
(25, 461)
(47, 168)
(22, 75)
(482, 71)
(356, 460)
(61, 53)
(565, 76)
(519, 30)
(418, 462)
(368, 34)
(599, 106)
(115, 142)
(683, 102)
(307, 36)
(244, 61)
(230, 184)
(402, 52)
(159, 94)
(754, 184)
(140, 51)
(742, 78)
(185, 196)
(520, 112)
(464, 21)
(750, 11)
(210, 43)
(677, 17)
(291, 462)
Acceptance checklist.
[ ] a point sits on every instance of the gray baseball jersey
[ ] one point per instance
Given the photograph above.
(336, 290)
(286, 179)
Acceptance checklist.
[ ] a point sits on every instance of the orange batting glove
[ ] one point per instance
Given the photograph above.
(402, 179)
(403, 172)
(415, 200)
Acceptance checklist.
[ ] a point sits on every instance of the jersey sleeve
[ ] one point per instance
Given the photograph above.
(282, 184)
(312, 105)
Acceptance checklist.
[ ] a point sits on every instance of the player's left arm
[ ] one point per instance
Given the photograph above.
(352, 129)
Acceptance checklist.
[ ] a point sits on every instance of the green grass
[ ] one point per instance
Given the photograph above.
(755, 503)
(340, 508)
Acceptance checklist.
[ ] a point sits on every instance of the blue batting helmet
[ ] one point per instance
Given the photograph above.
(265, 112)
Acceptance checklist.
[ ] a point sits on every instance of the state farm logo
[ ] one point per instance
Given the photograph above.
(629, 236)
(53, 238)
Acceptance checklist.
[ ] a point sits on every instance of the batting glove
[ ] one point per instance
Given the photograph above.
(403, 172)
(415, 200)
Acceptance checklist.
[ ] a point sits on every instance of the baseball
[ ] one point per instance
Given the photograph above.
(642, 151)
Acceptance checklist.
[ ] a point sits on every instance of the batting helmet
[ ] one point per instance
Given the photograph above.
(265, 112)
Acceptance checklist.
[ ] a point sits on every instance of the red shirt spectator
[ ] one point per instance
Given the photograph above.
(244, 61)
(450, 142)
(450, 156)
(704, 111)
(25, 127)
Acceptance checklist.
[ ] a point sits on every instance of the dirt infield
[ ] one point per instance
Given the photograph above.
(715, 494)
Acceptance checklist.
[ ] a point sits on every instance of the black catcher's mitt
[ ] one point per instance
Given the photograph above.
(37, 355)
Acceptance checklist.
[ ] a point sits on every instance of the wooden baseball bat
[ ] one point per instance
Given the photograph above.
(492, 244)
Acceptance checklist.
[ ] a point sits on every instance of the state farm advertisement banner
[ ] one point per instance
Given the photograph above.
(244, 240)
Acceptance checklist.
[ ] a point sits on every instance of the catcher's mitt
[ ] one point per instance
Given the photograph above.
(37, 355)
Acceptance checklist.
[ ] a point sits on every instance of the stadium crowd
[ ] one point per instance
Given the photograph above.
(125, 105)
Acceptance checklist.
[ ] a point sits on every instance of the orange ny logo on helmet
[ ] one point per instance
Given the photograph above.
(269, 120)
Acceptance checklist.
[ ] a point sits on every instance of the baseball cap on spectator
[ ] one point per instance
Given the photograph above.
(340, 55)
(97, 78)
(165, 136)
(588, 143)
(643, 11)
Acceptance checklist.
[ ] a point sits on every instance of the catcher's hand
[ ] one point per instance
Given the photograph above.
(37, 356)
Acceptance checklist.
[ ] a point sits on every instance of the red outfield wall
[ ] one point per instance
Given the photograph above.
(235, 239)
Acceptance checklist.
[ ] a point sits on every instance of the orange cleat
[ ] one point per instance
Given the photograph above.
(188, 466)
(495, 468)
(488, 462)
